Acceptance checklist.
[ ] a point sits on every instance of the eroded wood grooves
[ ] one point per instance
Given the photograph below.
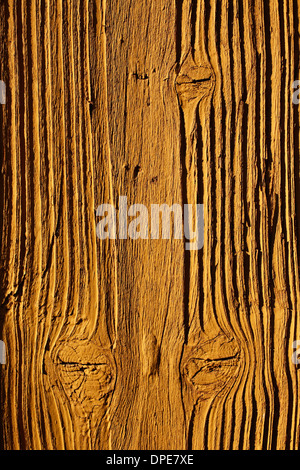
(140, 344)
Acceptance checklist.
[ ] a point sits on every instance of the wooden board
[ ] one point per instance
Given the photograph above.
(142, 344)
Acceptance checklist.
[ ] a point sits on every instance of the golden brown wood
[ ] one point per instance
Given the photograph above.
(141, 344)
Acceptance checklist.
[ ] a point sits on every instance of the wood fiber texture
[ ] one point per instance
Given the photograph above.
(141, 344)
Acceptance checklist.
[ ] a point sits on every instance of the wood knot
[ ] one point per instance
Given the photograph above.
(150, 354)
(193, 83)
(211, 366)
(86, 372)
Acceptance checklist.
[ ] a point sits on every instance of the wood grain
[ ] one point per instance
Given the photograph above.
(141, 344)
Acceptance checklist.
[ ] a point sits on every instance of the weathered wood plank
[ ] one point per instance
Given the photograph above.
(142, 344)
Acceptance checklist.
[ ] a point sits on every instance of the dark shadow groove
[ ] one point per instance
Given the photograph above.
(187, 256)
(179, 4)
(200, 197)
(193, 25)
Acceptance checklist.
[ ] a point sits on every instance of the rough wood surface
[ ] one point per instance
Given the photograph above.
(140, 344)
